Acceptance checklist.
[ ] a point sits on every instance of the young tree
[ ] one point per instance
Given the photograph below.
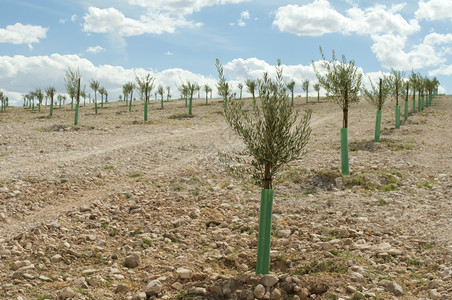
(305, 86)
(160, 91)
(191, 87)
(83, 94)
(207, 89)
(38, 94)
(240, 86)
(72, 82)
(102, 92)
(94, 85)
(222, 86)
(274, 136)
(50, 92)
(251, 87)
(377, 96)
(342, 84)
(317, 89)
(414, 82)
(397, 90)
(291, 86)
(148, 83)
(168, 93)
(3, 101)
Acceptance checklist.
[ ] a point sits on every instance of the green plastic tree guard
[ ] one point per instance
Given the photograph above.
(397, 117)
(377, 127)
(306, 97)
(207, 99)
(190, 106)
(414, 104)
(161, 103)
(419, 103)
(292, 99)
(264, 234)
(145, 110)
(39, 107)
(51, 109)
(76, 114)
(130, 105)
(405, 113)
(344, 151)
(95, 107)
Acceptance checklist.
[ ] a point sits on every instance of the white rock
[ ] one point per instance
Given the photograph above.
(395, 288)
(153, 287)
(184, 273)
(259, 291)
(270, 280)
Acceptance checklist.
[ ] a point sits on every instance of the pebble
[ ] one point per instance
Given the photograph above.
(394, 288)
(153, 287)
(184, 273)
(269, 280)
(132, 260)
(259, 291)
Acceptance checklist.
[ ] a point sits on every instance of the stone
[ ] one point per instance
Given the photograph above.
(339, 183)
(394, 288)
(56, 258)
(177, 286)
(304, 294)
(184, 273)
(394, 252)
(81, 282)
(94, 281)
(284, 233)
(132, 261)
(318, 288)
(259, 291)
(198, 291)
(358, 277)
(154, 287)
(66, 293)
(350, 289)
(122, 288)
(434, 294)
(275, 294)
(269, 280)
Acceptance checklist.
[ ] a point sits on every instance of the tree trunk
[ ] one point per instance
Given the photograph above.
(267, 178)
(345, 109)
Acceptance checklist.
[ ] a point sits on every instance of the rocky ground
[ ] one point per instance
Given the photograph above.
(118, 208)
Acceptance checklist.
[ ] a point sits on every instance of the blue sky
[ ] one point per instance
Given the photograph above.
(179, 40)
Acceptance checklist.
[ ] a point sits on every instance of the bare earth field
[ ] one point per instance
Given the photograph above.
(116, 208)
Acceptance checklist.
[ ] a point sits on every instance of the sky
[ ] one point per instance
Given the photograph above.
(175, 41)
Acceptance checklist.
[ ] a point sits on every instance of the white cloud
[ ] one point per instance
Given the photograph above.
(244, 15)
(74, 18)
(443, 70)
(319, 17)
(434, 10)
(180, 7)
(111, 20)
(314, 19)
(22, 34)
(95, 49)
(62, 21)
(22, 74)
(169, 53)
(389, 51)
(438, 39)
